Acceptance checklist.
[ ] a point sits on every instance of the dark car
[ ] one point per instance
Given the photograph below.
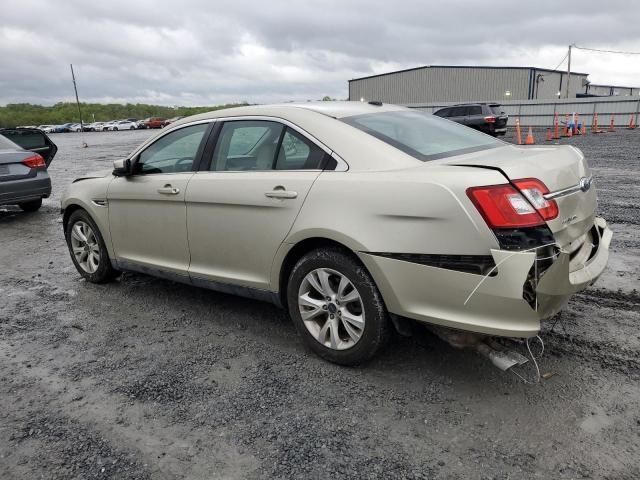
(486, 117)
(25, 154)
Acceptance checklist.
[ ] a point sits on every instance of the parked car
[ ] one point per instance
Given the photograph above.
(153, 122)
(486, 117)
(46, 128)
(76, 127)
(124, 125)
(348, 214)
(106, 126)
(25, 154)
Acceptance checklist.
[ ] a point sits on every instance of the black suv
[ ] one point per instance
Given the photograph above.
(486, 117)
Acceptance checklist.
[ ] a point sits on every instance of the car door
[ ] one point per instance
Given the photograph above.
(241, 208)
(147, 211)
(457, 114)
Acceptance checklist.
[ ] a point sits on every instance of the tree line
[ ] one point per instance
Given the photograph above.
(21, 114)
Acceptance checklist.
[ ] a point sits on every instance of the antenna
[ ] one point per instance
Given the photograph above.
(75, 88)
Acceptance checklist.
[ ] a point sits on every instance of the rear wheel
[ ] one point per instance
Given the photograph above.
(87, 248)
(336, 307)
(31, 206)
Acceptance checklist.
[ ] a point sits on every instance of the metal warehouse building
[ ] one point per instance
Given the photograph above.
(441, 83)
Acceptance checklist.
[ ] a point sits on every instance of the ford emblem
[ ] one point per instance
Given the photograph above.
(585, 184)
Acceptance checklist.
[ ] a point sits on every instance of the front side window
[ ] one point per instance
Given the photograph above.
(172, 153)
(423, 136)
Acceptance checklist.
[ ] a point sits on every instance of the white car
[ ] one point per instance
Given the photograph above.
(353, 217)
(124, 125)
(47, 128)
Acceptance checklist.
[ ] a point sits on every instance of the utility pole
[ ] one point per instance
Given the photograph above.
(73, 77)
(568, 71)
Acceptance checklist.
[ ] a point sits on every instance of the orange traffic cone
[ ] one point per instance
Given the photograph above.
(576, 130)
(584, 129)
(612, 128)
(530, 140)
(632, 122)
(518, 133)
(594, 127)
(565, 133)
(548, 137)
(556, 123)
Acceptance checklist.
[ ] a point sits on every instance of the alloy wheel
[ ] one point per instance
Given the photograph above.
(331, 308)
(85, 246)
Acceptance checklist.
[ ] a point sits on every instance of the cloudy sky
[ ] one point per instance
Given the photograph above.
(202, 52)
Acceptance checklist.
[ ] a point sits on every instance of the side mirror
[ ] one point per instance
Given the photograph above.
(122, 167)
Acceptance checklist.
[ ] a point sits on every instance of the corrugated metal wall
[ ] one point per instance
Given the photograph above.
(540, 113)
(462, 84)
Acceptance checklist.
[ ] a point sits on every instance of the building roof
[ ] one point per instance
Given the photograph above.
(467, 66)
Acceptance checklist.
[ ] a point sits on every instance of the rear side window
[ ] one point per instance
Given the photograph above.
(298, 153)
(425, 137)
(246, 145)
(458, 111)
(474, 110)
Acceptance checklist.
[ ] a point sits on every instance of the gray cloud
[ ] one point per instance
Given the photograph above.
(201, 52)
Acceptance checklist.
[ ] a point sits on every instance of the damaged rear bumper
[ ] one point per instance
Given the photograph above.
(496, 303)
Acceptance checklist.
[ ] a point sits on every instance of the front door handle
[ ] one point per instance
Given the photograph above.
(169, 190)
(280, 192)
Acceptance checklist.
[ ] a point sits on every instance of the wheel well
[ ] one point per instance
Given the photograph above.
(67, 213)
(296, 253)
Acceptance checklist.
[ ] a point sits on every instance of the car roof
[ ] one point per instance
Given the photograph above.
(334, 109)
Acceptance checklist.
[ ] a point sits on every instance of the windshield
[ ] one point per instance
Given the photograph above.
(421, 135)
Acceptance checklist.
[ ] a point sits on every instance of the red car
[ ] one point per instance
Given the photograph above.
(153, 122)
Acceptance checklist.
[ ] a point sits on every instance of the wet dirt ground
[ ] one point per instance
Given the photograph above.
(149, 379)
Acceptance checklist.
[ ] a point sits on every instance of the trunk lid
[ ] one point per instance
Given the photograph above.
(559, 167)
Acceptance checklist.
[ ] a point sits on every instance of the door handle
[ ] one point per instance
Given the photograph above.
(169, 190)
(281, 193)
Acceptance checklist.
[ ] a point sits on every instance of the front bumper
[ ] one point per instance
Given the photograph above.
(494, 305)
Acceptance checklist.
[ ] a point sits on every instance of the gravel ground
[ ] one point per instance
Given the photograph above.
(145, 378)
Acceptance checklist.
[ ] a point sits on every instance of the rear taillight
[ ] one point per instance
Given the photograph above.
(514, 206)
(490, 119)
(502, 206)
(34, 161)
(535, 190)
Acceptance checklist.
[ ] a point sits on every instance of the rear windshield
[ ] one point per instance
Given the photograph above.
(496, 109)
(6, 144)
(421, 135)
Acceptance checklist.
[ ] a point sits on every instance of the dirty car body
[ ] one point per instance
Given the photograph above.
(453, 227)
(25, 154)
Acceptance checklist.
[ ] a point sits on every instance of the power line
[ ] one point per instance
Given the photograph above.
(561, 61)
(604, 51)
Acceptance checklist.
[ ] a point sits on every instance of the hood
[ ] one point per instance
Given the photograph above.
(100, 174)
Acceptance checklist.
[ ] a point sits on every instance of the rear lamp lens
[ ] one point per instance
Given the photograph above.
(35, 161)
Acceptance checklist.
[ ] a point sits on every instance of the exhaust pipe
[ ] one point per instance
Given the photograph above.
(496, 353)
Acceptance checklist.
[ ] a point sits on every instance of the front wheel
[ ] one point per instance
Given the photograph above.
(87, 248)
(336, 307)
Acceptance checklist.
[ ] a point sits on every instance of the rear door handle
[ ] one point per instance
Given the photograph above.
(281, 194)
(169, 190)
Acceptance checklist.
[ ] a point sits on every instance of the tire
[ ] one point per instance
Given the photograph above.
(95, 272)
(368, 329)
(31, 206)
(115, 129)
